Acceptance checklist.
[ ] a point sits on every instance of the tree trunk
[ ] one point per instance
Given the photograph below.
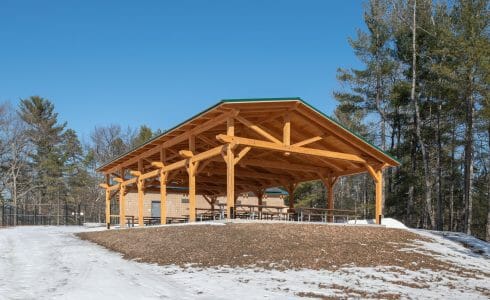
(425, 157)
(488, 194)
(440, 208)
(468, 160)
(14, 197)
(453, 175)
(411, 188)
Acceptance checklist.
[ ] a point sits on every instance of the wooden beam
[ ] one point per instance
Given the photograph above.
(372, 172)
(257, 129)
(308, 141)
(345, 136)
(281, 165)
(157, 164)
(230, 126)
(242, 154)
(177, 139)
(186, 153)
(192, 143)
(182, 163)
(293, 149)
(136, 173)
(163, 155)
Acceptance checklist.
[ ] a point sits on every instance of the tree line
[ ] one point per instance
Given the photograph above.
(46, 170)
(421, 94)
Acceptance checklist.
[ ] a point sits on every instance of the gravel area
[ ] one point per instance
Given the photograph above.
(271, 246)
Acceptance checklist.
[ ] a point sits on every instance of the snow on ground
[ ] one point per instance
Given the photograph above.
(388, 222)
(477, 246)
(51, 263)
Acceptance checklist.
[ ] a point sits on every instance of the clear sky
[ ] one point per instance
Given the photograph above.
(160, 62)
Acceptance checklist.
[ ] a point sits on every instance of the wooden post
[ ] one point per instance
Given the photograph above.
(163, 197)
(379, 196)
(107, 202)
(191, 170)
(286, 132)
(108, 208)
(230, 171)
(122, 206)
(230, 182)
(329, 183)
(291, 189)
(377, 174)
(141, 194)
(330, 200)
(260, 196)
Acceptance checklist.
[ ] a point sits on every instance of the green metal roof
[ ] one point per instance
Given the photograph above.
(224, 101)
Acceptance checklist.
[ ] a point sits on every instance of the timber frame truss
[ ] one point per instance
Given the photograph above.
(242, 146)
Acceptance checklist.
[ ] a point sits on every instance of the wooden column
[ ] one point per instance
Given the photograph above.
(230, 171)
(379, 196)
(163, 187)
(377, 174)
(191, 171)
(107, 203)
(108, 208)
(122, 206)
(230, 182)
(122, 203)
(260, 196)
(291, 187)
(329, 183)
(286, 132)
(141, 194)
(330, 200)
(163, 197)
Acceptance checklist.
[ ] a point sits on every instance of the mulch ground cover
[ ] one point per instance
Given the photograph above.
(272, 246)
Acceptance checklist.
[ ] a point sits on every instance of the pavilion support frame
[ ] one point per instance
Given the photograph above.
(141, 192)
(163, 197)
(230, 171)
(228, 143)
(291, 188)
(377, 175)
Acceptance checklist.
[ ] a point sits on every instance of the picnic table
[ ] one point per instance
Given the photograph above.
(206, 214)
(252, 211)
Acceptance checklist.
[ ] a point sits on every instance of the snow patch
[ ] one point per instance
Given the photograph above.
(388, 222)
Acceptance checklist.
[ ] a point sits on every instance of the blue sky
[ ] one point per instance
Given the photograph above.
(160, 62)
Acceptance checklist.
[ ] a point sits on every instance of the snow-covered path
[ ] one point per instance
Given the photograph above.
(51, 263)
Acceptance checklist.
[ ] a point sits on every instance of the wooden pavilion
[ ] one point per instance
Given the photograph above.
(245, 145)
